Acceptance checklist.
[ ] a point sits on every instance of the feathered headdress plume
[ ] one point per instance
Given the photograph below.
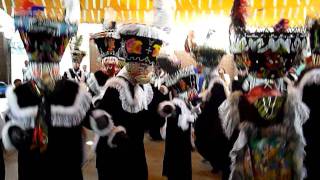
(76, 53)
(239, 12)
(208, 56)
(282, 25)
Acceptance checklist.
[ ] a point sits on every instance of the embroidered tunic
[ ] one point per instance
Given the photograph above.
(270, 145)
(129, 107)
(66, 107)
(177, 158)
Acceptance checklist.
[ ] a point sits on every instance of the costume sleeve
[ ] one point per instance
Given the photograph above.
(179, 112)
(93, 84)
(153, 120)
(111, 105)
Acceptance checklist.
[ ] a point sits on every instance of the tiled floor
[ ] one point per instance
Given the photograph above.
(154, 152)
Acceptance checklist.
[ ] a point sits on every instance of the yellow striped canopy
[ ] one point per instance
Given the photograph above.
(261, 12)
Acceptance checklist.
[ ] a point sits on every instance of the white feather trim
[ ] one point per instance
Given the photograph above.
(142, 97)
(68, 116)
(61, 116)
(311, 77)
(291, 44)
(23, 115)
(296, 114)
(186, 117)
(296, 111)
(229, 113)
(5, 134)
(100, 113)
(162, 105)
(174, 78)
(163, 130)
(113, 133)
(250, 82)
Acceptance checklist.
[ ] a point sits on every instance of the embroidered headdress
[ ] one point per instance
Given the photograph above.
(266, 52)
(44, 38)
(108, 41)
(179, 73)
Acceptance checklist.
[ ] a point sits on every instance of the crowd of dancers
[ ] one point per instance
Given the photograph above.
(258, 124)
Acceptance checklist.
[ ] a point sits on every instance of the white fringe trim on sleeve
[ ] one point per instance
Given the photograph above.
(96, 114)
(311, 77)
(162, 105)
(5, 134)
(186, 117)
(142, 97)
(229, 113)
(69, 116)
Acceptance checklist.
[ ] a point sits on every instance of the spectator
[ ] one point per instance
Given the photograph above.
(190, 44)
(25, 70)
(85, 72)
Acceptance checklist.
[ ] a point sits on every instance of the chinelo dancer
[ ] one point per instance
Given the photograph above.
(108, 44)
(47, 113)
(270, 114)
(180, 113)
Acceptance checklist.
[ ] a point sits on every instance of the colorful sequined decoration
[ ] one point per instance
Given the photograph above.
(40, 132)
(269, 107)
(270, 159)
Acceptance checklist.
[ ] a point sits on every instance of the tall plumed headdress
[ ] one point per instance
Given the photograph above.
(108, 41)
(76, 53)
(44, 39)
(164, 14)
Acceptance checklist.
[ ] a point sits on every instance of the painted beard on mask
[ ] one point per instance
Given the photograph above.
(110, 69)
(109, 65)
(140, 73)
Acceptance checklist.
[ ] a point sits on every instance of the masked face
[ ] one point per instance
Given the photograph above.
(110, 66)
(140, 73)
